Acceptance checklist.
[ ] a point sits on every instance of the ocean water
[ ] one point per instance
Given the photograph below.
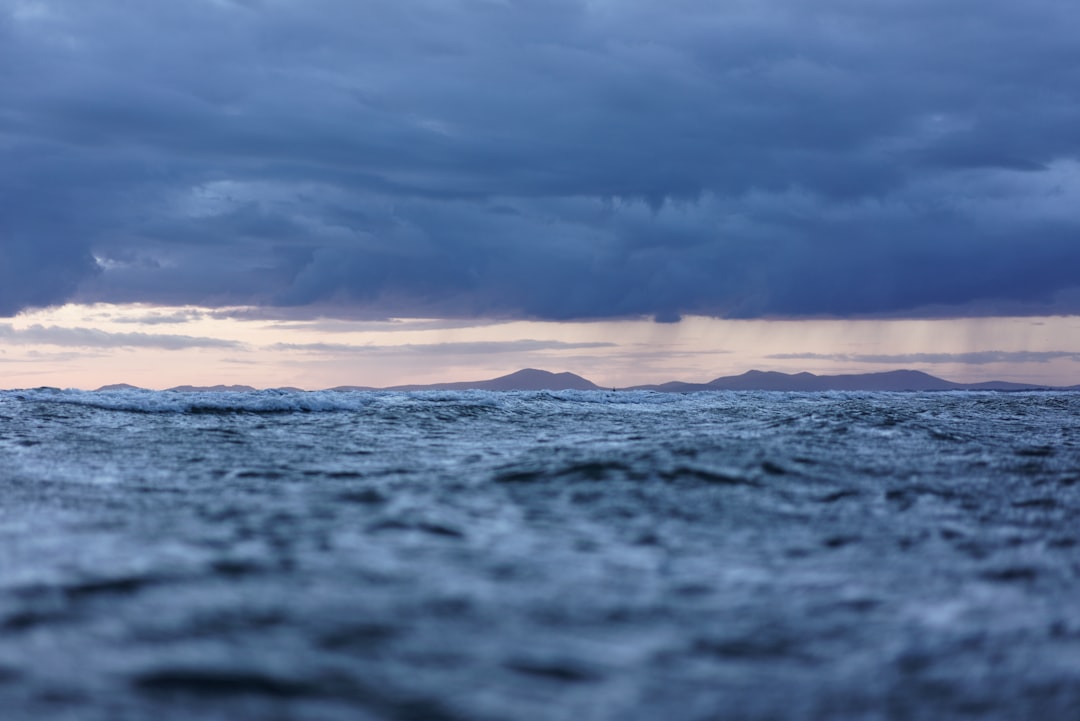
(573, 555)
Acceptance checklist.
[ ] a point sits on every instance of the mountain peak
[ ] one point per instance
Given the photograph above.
(533, 373)
(526, 379)
(212, 389)
(533, 379)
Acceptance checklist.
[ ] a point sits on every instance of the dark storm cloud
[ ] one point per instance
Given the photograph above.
(556, 159)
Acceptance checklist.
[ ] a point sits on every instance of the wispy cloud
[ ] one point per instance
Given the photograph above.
(325, 324)
(459, 348)
(92, 338)
(971, 358)
(160, 318)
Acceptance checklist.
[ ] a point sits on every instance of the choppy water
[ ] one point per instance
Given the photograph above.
(549, 556)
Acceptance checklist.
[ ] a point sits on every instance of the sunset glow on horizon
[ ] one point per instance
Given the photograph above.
(88, 346)
(221, 192)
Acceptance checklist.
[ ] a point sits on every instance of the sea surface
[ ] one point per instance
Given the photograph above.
(630, 556)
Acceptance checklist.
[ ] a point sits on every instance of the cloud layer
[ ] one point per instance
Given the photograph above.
(91, 338)
(557, 159)
(971, 358)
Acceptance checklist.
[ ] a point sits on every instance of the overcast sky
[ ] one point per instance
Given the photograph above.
(549, 160)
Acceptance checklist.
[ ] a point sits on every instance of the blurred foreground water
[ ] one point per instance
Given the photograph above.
(574, 555)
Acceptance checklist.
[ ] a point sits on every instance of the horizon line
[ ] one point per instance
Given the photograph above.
(463, 385)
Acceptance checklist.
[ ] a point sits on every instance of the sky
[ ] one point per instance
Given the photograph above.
(328, 192)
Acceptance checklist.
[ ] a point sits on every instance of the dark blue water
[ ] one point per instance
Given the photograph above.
(630, 556)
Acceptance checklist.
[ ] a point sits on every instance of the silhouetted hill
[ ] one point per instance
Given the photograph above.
(212, 389)
(529, 379)
(120, 387)
(900, 380)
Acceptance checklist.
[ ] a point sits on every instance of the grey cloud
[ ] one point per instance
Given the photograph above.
(449, 348)
(337, 325)
(559, 159)
(60, 357)
(158, 318)
(340, 319)
(971, 358)
(91, 338)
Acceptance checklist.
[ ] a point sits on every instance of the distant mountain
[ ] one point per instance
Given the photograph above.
(120, 387)
(528, 379)
(212, 389)
(531, 379)
(901, 380)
